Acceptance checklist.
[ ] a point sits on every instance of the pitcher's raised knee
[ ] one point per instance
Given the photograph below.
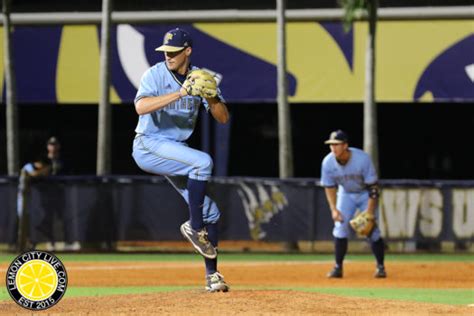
(202, 168)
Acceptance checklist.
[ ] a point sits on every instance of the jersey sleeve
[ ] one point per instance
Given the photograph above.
(327, 180)
(370, 175)
(29, 168)
(147, 86)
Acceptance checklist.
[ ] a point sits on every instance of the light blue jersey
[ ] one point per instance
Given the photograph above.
(352, 180)
(159, 146)
(177, 120)
(353, 177)
(23, 186)
(25, 174)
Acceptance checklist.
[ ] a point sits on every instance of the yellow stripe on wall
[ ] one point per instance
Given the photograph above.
(314, 58)
(77, 79)
(320, 66)
(404, 50)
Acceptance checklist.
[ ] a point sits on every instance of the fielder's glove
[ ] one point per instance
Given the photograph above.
(200, 83)
(363, 224)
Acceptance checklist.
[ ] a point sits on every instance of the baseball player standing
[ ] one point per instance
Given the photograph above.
(36, 169)
(167, 103)
(350, 182)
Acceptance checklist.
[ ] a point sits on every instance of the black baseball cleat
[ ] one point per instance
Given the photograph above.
(199, 240)
(380, 272)
(336, 273)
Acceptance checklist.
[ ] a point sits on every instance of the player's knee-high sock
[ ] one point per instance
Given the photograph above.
(378, 249)
(340, 245)
(197, 192)
(212, 235)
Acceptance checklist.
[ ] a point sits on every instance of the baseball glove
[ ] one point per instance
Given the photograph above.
(363, 224)
(200, 83)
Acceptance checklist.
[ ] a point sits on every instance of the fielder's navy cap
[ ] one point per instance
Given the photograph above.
(175, 40)
(337, 137)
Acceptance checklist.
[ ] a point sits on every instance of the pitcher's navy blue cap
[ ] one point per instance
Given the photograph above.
(337, 137)
(175, 40)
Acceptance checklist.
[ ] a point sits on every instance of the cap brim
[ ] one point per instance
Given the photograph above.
(167, 48)
(333, 142)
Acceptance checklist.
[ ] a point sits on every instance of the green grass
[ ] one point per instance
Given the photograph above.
(7, 258)
(439, 296)
(442, 296)
(103, 291)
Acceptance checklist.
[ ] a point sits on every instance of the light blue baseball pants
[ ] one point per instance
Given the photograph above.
(176, 161)
(348, 204)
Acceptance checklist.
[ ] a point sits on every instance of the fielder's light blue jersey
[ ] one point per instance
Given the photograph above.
(352, 177)
(175, 121)
(25, 174)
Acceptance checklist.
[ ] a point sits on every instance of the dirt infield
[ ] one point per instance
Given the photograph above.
(248, 296)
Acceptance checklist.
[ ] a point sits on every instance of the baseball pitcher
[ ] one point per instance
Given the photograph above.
(167, 103)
